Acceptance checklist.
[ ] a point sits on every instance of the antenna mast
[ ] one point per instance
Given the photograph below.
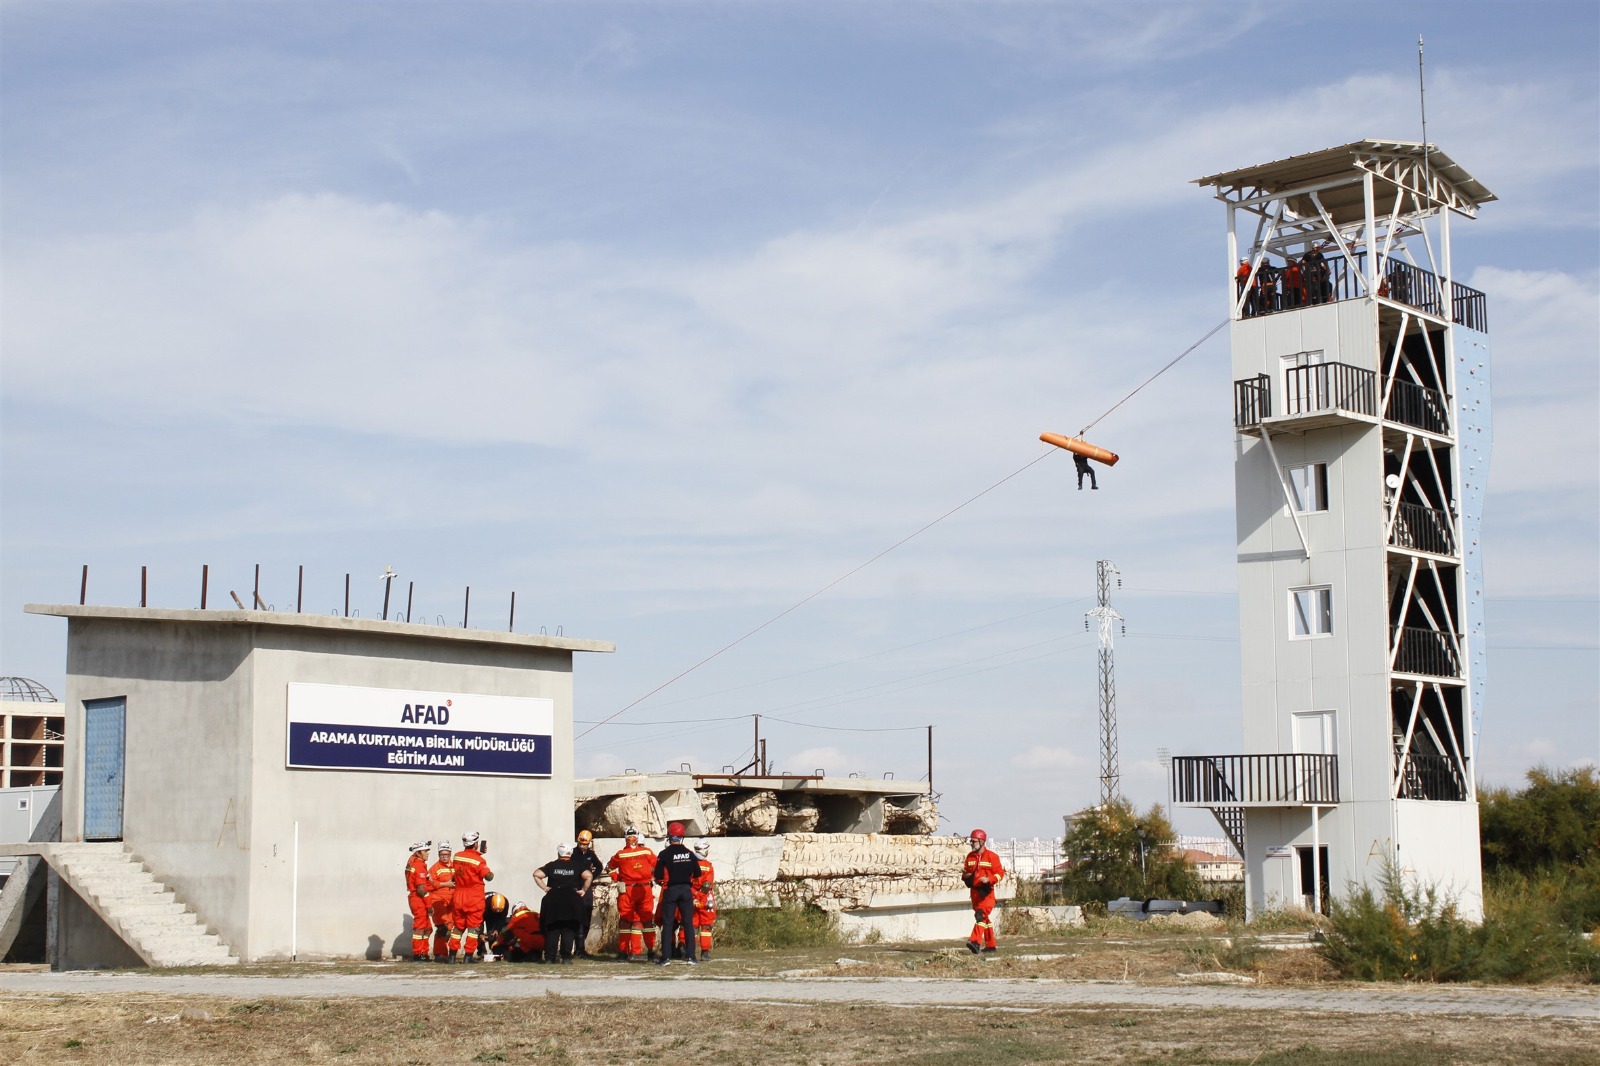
(1422, 103)
(1105, 614)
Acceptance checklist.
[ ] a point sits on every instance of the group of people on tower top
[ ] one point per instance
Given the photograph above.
(1301, 282)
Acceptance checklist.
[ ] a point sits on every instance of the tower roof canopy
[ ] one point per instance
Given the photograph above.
(1334, 173)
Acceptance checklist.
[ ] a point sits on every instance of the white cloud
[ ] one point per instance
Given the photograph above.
(1039, 757)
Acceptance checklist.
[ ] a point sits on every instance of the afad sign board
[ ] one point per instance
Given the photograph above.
(335, 727)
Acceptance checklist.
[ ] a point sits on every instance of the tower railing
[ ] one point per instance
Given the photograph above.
(1469, 308)
(1417, 405)
(1330, 386)
(1428, 652)
(1423, 529)
(1425, 776)
(1340, 279)
(1274, 780)
(1252, 401)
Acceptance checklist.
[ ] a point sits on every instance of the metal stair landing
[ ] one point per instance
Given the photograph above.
(141, 910)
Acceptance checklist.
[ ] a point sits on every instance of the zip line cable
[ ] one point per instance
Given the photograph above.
(903, 540)
(1209, 334)
(794, 607)
(859, 658)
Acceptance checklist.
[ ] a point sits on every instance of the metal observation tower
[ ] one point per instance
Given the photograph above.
(1361, 408)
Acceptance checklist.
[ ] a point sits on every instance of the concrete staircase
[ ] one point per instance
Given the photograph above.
(137, 907)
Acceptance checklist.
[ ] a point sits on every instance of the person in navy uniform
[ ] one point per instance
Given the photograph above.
(677, 870)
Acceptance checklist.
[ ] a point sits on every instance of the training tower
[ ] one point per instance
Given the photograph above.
(1360, 404)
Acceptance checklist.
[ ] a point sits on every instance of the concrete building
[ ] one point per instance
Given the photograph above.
(1361, 406)
(32, 744)
(252, 779)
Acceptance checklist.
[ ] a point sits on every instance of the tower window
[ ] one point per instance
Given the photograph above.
(1312, 611)
(1308, 487)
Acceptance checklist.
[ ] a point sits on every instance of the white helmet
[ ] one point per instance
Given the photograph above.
(703, 848)
(444, 846)
(631, 831)
(563, 849)
(470, 838)
(421, 845)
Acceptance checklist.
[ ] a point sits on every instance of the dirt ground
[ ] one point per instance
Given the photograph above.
(136, 1028)
(550, 1026)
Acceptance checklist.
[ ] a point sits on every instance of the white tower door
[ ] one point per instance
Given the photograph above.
(1314, 734)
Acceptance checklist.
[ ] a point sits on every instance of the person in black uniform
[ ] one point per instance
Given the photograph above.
(1084, 468)
(585, 855)
(563, 881)
(677, 868)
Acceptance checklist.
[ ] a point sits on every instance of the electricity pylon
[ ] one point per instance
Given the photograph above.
(1106, 615)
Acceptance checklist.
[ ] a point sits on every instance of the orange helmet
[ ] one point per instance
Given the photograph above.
(585, 837)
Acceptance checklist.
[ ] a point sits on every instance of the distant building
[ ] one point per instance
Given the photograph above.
(1216, 869)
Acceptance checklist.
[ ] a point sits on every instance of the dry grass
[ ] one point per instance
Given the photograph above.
(132, 1029)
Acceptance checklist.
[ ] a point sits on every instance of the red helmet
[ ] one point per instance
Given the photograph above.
(977, 834)
(675, 830)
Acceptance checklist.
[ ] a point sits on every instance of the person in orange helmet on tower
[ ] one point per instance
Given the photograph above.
(442, 901)
(472, 870)
(981, 872)
(418, 886)
(633, 868)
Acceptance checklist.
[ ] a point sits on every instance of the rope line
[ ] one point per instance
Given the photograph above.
(796, 606)
(903, 540)
(1209, 334)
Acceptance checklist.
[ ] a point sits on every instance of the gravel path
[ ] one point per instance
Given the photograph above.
(1577, 1004)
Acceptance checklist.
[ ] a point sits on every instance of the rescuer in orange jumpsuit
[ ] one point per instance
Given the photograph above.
(633, 869)
(441, 901)
(981, 872)
(418, 887)
(521, 939)
(472, 870)
(705, 900)
(1241, 278)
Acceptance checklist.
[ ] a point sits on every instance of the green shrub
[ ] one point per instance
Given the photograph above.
(788, 925)
(1400, 934)
(1553, 822)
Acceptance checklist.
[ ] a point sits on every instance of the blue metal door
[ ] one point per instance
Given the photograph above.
(104, 732)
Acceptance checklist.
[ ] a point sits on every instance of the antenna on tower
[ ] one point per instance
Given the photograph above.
(1422, 104)
(1106, 615)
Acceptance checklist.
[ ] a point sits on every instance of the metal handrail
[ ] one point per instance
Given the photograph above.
(1252, 401)
(1234, 780)
(1416, 405)
(1425, 776)
(1423, 529)
(1428, 652)
(1330, 386)
(1337, 278)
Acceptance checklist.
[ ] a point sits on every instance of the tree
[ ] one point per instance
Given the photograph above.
(1113, 851)
(1555, 821)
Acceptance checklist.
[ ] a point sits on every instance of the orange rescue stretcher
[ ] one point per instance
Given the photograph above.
(1079, 446)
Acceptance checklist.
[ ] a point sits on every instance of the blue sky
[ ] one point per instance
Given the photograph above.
(667, 316)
